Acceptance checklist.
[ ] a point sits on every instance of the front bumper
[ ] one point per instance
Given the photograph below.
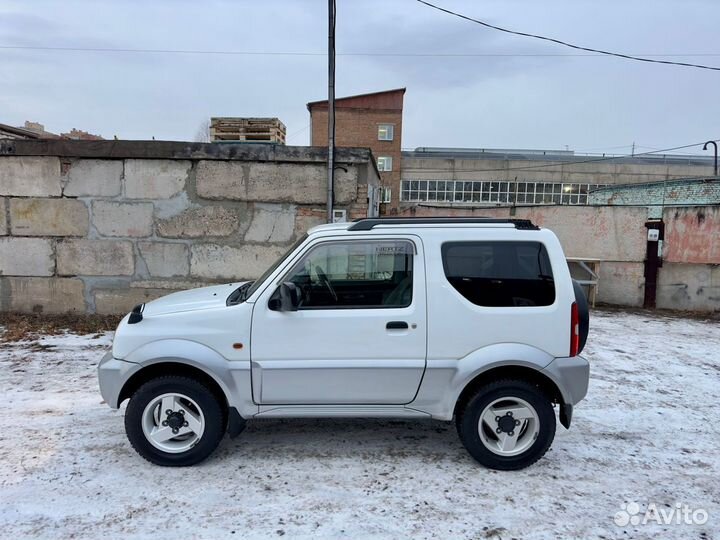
(112, 376)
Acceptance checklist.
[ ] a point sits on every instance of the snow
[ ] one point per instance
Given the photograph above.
(647, 433)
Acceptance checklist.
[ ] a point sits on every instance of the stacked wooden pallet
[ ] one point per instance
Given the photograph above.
(247, 129)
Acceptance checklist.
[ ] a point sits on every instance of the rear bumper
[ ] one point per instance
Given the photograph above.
(571, 376)
(112, 376)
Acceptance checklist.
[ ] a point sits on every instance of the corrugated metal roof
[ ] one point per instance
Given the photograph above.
(562, 156)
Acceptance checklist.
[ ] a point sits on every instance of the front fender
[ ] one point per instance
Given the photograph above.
(233, 377)
(445, 380)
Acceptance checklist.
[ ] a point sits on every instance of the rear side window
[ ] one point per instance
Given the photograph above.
(500, 274)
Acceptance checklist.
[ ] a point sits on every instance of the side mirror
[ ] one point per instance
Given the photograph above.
(285, 298)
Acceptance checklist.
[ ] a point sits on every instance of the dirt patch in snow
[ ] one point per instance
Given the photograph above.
(21, 326)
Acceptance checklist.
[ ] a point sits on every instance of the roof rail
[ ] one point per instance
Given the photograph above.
(367, 224)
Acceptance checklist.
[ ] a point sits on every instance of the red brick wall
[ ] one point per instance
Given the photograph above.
(356, 127)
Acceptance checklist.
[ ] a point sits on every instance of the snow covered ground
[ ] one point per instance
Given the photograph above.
(648, 433)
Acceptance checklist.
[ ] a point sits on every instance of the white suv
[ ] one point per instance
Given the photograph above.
(473, 319)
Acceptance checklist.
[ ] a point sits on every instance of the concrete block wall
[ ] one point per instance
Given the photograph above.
(690, 276)
(692, 235)
(691, 287)
(102, 235)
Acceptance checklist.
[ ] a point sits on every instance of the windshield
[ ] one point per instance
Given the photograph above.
(259, 281)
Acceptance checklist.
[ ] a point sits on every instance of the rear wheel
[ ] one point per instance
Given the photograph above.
(174, 421)
(507, 425)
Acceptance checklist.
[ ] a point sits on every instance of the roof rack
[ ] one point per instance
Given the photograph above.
(366, 224)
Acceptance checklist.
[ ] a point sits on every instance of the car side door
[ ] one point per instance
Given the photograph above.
(359, 333)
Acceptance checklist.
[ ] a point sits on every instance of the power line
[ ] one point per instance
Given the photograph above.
(307, 53)
(160, 51)
(566, 44)
(298, 132)
(596, 149)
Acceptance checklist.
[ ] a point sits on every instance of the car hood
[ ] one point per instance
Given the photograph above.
(191, 300)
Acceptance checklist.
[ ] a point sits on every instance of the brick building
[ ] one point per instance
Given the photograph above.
(370, 121)
(80, 135)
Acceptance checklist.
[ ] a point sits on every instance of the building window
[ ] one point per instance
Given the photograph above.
(496, 193)
(384, 163)
(386, 132)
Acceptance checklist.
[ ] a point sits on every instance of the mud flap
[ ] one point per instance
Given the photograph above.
(236, 423)
(566, 411)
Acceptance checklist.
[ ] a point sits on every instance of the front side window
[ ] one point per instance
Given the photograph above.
(384, 163)
(500, 274)
(386, 132)
(357, 274)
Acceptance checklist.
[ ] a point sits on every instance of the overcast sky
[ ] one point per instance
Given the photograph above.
(587, 103)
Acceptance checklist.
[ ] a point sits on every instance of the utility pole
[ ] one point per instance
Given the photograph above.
(331, 110)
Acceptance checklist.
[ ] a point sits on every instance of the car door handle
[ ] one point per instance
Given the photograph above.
(397, 325)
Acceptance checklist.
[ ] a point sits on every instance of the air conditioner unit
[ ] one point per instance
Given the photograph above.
(339, 216)
(386, 195)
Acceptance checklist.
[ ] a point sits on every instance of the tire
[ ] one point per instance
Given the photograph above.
(531, 423)
(170, 403)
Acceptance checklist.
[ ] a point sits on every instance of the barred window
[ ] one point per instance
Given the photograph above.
(496, 193)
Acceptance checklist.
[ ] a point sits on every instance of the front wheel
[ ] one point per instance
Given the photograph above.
(507, 425)
(174, 421)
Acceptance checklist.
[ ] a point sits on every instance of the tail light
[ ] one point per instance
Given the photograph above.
(574, 330)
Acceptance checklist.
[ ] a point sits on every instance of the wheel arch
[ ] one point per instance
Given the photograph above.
(510, 371)
(188, 357)
(172, 367)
